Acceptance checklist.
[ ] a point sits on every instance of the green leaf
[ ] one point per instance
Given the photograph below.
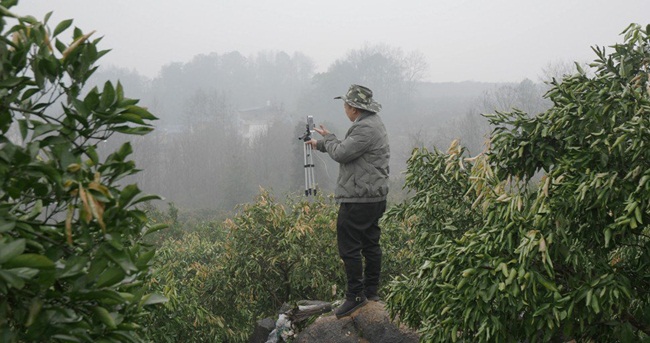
(44, 128)
(139, 130)
(144, 258)
(110, 277)
(29, 93)
(34, 309)
(12, 279)
(108, 95)
(146, 198)
(6, 226)
(128, 193)
(23, 128)
(29, 19)
(153, 298)
(608, 236)
(141, 112)
(5, 120)
(81, 108)
(131, 117)
(73, 266)
(121, 258)
(11, 249)
(47, 17)
(25, 273)
(62, 26)
(91, 152)
(30, 261)
(594, 305)
(105, 317)
(125, 150)
(156, 227)
(59, 46)
(119, 90)
(12, 82)
(36, 211)
(547, 284)
(92, 100)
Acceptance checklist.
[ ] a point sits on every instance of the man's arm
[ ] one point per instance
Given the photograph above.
(320, 144)
(352, 147)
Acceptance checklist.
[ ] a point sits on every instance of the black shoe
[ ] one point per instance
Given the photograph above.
(372, 297)
(371, 292)
(350, 306)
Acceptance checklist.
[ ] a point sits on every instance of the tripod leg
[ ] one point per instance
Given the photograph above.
(308, 166)
(305, 155)
(312, 178)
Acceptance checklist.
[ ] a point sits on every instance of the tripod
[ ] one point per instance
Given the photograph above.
(310, 180)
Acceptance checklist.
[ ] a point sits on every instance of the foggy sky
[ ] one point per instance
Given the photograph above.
(490, 41)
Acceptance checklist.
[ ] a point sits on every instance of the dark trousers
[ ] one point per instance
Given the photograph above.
(358, 234)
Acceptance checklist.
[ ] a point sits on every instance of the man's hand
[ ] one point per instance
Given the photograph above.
(322, 130)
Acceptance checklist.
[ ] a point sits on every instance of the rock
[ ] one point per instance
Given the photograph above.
(262, 330)
(369, 324)
(284, 330)
(285, 327)
(307, 309)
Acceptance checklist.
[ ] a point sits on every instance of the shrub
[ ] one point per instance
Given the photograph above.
(562, 259)
(276, 254)
(221, 279)
(185, 270)
(71, 264)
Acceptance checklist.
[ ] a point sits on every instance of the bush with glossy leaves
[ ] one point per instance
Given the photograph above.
(72, 268)
(503, 259)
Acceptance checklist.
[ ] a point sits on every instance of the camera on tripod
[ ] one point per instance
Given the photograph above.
(310, 181)
(310, 129)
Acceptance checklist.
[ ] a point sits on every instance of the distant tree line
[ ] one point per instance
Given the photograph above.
(200, 156)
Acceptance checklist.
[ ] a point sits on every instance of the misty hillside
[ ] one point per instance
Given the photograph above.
(171, 208)
(228, 124)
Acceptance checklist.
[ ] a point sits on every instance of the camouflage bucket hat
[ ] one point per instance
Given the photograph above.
(360, 97)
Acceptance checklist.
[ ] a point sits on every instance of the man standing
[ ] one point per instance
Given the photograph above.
(361, 190)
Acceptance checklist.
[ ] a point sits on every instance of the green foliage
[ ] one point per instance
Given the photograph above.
(423, 217)
(71, 265)
(565, 258)
(220, 280)
(185, 272)
(278, 253)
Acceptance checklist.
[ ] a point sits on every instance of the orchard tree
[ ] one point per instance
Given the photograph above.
(71, 263)
(275, 254)
(499, 258)
(220, 279)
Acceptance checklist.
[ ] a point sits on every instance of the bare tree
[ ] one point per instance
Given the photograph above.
(558, 70)
(526, 96)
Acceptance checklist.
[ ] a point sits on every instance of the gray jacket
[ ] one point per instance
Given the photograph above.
(363, 160)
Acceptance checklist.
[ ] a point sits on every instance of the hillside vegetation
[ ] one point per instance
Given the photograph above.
(73, 264)
(500, 258)
(542, 237)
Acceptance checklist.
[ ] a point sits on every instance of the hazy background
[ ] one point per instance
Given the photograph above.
(233, 81)
(491, 41)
